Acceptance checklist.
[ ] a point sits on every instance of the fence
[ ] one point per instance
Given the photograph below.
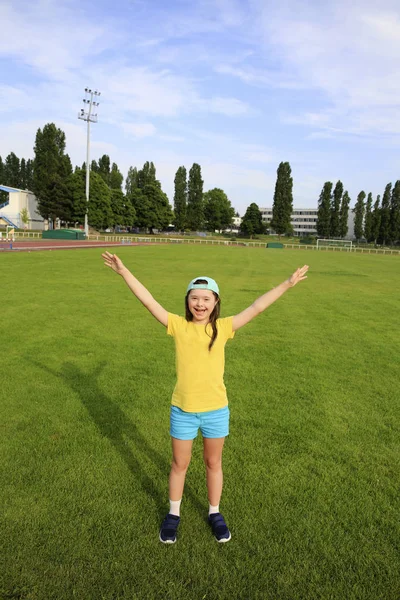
(206, 242)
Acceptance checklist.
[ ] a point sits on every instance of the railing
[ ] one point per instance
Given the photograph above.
(204, 241)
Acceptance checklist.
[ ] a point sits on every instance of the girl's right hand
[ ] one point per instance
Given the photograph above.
(112, 261)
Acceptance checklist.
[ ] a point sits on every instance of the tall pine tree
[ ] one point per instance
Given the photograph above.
(384, 230)
(50, 171)
(368, 219)
(195, 207)
(324, 211)
(376, 220)
(180, 199)
(359, 211)
(394, 226)
(334, 229)
(344, 215)
(282, 207)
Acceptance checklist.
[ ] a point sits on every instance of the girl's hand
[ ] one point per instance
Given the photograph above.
(298, 275)
(112, 261)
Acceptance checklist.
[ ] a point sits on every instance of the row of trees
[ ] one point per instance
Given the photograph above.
(195, 210)
(60, 191)
(333, 211)
(377, 222)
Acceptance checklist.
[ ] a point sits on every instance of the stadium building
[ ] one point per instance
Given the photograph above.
(17, 201)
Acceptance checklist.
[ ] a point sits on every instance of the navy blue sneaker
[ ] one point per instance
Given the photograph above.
(219, 527)
(168, 529)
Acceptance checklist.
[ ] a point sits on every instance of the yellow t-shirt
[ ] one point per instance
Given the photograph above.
(200, 372)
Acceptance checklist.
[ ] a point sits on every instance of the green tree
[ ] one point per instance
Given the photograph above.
(147, 175)
(195, 205)
(12, 171)
(344, 215)
(50, 170)
(100, 214)
(24, 216)
(29, 174)
(359, 210)
(384, 231)
(368, 219)
(218, 211)
(116, 178)
(118, 207)
(324, 210)
(335, 210)
(131, 182)
(282, 207)
(180, 198)
(394, 225)
(252, 222)
(152, 208)
(104, 168)
(94, 166)
(376, 220)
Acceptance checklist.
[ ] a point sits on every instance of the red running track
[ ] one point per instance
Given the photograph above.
(29, 245)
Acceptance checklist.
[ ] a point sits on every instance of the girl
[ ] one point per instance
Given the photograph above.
(199, 399)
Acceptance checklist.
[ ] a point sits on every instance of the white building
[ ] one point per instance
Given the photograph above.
(304, 221)
(10, 211)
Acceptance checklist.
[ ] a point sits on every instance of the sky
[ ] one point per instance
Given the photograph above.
(236, 86)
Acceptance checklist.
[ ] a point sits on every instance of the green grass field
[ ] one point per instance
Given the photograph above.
(312, 469)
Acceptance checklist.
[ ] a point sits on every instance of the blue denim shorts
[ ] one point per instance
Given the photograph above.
(212, 424)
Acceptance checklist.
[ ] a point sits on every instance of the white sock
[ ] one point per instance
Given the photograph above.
(213, 509)
(175, 507)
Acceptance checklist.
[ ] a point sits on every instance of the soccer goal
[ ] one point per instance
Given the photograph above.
(324, 243)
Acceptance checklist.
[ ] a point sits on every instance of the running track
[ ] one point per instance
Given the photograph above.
(29, 245)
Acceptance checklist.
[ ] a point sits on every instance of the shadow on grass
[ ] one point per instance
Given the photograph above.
(113, 424)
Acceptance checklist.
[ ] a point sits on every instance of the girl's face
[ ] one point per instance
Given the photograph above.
(201, 303)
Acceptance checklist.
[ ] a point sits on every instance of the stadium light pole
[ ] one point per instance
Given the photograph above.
(90, 117)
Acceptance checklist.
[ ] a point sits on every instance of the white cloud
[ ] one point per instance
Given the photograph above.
(139, 130)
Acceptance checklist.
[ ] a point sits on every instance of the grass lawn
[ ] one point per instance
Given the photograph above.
(312, 469)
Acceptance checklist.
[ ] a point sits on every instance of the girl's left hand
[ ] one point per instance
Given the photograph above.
(298, 275)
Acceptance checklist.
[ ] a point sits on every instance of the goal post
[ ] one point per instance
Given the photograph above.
(327, 243)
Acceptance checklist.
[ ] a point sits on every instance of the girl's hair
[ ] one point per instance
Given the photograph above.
(213, 317)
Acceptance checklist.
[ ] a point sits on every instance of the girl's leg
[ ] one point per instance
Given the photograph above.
(181, 454)
(213, 461)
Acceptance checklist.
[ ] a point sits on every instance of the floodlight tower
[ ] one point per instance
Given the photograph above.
(90, 117)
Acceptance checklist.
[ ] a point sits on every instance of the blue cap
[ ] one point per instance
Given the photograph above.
(210, 285)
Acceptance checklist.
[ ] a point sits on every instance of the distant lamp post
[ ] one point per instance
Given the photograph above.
(89, 116)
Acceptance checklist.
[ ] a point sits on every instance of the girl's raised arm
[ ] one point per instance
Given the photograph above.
(141, 293)
(267, 299)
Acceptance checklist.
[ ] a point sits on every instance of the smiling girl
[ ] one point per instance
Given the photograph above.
(199, 400)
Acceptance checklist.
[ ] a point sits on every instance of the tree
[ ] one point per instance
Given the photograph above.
(282, 207)
(29, 174)
(218, 211)
(384, 230)
(394, 226)
(252, 222)
(358, 211)
(131, 181)
(344, 215)
(100, 215)
(147, 175)
(152, 208)
(376, 220)
(12, 171)
(24, 216)
(324, 211)
(335, 210)
(368, 219)
(50, 171)
(104, 168)
(195, 207)
(180, 199)
(118, 207)
(116, 178)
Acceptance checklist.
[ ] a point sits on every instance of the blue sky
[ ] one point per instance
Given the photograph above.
(237, 86)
